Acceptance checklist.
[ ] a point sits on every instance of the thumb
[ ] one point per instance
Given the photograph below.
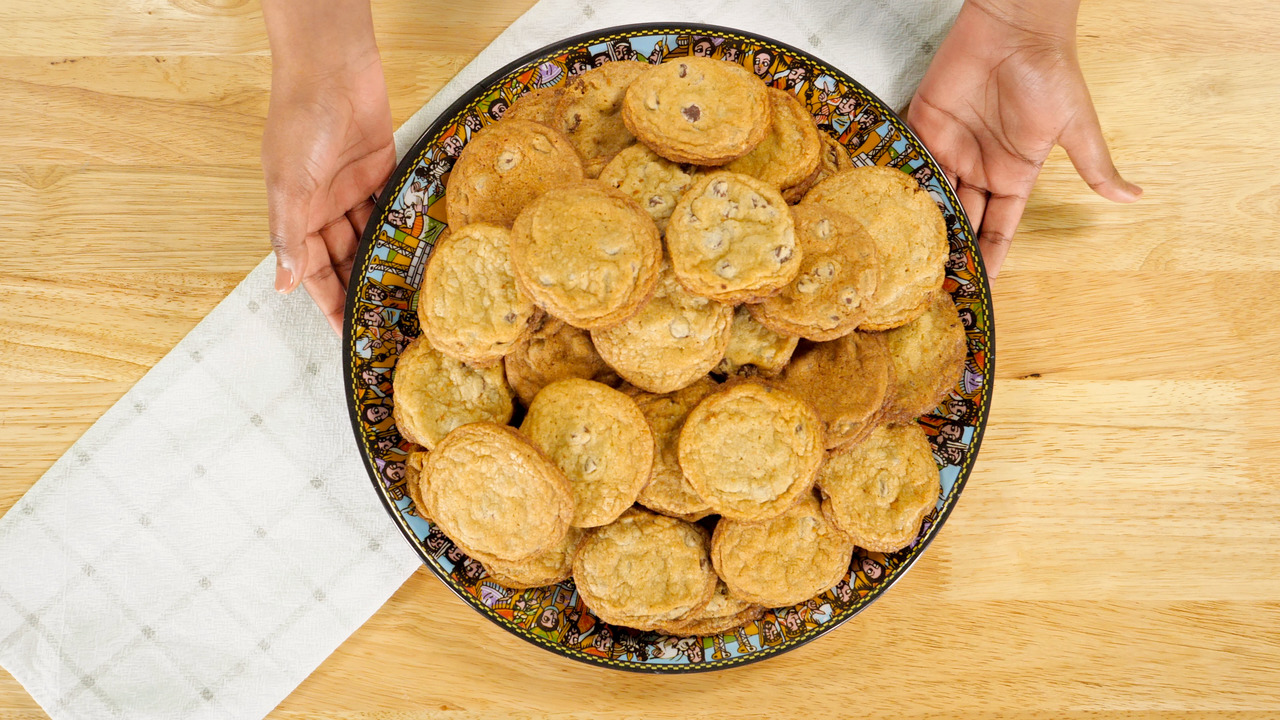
(1083, 141)
(287, 222)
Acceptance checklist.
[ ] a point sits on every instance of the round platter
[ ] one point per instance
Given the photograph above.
(381, 319)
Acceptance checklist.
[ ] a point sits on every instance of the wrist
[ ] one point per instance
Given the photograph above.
(313, 40)
(1053, 21)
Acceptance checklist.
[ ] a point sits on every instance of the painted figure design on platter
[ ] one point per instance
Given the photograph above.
(409, 220)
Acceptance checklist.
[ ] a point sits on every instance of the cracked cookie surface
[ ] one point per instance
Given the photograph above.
(587, 254)
(599, 439)
(698, 110)
(732, 238)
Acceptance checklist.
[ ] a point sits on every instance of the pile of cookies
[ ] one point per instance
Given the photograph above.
(718, 331)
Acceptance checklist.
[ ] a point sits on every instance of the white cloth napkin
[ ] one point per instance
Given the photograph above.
(211, 539)
(214, 536)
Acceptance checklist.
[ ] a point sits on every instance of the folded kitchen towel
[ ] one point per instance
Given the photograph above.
(213, 537)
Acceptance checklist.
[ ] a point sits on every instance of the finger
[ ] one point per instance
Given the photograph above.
(999, 224)
(1088, 151)
(973, 199)
(322, 282)
(360, 214)
(340, 239)
(287, 224)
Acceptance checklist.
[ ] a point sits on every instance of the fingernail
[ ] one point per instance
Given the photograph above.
(284, 278)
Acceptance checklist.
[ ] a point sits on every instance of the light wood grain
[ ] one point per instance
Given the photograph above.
(1115, 554)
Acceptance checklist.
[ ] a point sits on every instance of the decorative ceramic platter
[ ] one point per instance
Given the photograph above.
(381, 319)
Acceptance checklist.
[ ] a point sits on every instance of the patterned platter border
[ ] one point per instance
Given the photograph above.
(381, 319)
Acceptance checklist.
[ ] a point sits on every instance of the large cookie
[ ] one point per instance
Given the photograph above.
(668, 492)
(839, 269)
(434, 394)
(654, 182)
(644, 570)
(928, 357)
(782, 561)
(909, 232)
(554, 351)
(790, 151)
(676, 338)
(879, 490)
(587, 254)
(599, 439)
(846, 380)
(494, 494)
(697, 110)
(732, 239)
(750, 450)
(754, 348)
(504, 168)
(469, 305)
(545, 568)
(589, 112)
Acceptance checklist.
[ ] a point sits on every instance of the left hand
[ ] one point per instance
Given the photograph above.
(1003, 89)
(328, 143)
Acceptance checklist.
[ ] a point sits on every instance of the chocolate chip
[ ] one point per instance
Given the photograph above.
(577, 120)
(684, 69)
(692, 113)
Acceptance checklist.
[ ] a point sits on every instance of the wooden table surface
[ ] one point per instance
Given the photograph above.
(1117, 549)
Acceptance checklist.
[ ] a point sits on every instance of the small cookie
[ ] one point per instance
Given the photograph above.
(554, 351)
(676, 338)
(494, 494)
(790, 152)
(645, 569)
(879, 490)
(469, 306)
(750, 450)
(654, 182)
(669, 492)
(724, 613)
(434, 394)
(909, 232)
(832, 159)
(545, 568)
(754, 348)
(587, 254)
(732, 239)
(928, 357)
(599, 439)
(589, 112)
(535, 106)
(413, 482)
(504, 168)
(697, 110)
(846, 380)
(782, 561)
(838, 274)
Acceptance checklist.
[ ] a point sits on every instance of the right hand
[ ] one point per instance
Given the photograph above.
(327, 148)
(1003, 89)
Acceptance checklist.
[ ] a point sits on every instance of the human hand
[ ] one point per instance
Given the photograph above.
(327, 148)
(1003, 89)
